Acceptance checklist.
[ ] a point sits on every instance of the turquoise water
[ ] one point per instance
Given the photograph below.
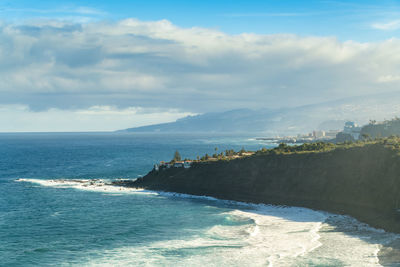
(54, 216)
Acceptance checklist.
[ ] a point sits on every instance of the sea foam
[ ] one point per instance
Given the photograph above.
(96, 185)
(270, 236)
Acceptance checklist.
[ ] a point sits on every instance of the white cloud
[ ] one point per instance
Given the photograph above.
(88, 11)
(130, 63)
(282, 14)
(388, 26)
(84, 10)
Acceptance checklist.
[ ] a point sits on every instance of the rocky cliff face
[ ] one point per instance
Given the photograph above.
(363, 182)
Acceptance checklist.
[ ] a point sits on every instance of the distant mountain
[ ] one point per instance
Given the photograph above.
(240, 120)
(323, 116)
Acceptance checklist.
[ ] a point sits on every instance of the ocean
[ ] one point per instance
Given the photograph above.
(56, 210)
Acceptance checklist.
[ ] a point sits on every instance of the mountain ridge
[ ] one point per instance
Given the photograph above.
(292, 120)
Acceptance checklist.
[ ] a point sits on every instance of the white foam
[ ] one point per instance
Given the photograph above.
(265, 241)
(351, 242)
(278, 242)
(279, 236)
(299, 237)
(96, 185)
(274, 236)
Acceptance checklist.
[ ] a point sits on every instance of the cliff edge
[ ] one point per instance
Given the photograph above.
(361, 180)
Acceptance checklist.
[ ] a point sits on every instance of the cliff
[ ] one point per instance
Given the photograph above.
(360, 180)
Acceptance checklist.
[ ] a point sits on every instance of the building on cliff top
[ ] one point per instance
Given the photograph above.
(177, 164)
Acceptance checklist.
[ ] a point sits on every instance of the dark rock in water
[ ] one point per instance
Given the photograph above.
(127, 183)
(361, 181)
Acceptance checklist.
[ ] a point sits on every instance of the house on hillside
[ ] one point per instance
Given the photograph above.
(179, 164)
(187, 164)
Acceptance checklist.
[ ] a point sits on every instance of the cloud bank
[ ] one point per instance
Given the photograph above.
(53, 65)
(19, 118)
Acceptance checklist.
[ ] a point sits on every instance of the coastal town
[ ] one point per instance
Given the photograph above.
(351, 131)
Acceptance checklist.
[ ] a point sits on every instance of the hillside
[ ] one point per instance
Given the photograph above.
(361, 179)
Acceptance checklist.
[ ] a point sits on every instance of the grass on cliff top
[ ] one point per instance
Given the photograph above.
(392, 142)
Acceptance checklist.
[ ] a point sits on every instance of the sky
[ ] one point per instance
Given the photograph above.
(108, 65)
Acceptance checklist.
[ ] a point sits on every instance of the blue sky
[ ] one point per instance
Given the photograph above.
(346, 20)
(108, 65)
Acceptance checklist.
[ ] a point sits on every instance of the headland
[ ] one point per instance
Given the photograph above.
(360, 179)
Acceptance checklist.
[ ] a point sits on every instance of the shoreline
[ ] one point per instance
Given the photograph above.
(336, 211)
(127, 184)
(385, 253)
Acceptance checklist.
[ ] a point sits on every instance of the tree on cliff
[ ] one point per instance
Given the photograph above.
(177, 156)
(229, 153)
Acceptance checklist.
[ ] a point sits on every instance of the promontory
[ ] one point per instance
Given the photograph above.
(360, 179)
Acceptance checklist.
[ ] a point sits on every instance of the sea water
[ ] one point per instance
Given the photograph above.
(57, 209)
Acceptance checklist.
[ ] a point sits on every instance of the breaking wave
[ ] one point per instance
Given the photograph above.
(254, 235)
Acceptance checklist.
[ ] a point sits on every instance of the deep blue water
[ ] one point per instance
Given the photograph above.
(44, 225)
(45, 222)
(102, 155)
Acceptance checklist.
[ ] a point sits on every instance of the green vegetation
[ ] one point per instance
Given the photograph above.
(344, 137)
(318, 147)
(392, 142)
(230, 153)
(383, 129)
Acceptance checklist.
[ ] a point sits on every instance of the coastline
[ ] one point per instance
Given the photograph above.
(366, 188)
(322, 221)
(387, 253)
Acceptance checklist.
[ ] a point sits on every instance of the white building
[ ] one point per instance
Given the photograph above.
(350, 127)
(318, 134)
